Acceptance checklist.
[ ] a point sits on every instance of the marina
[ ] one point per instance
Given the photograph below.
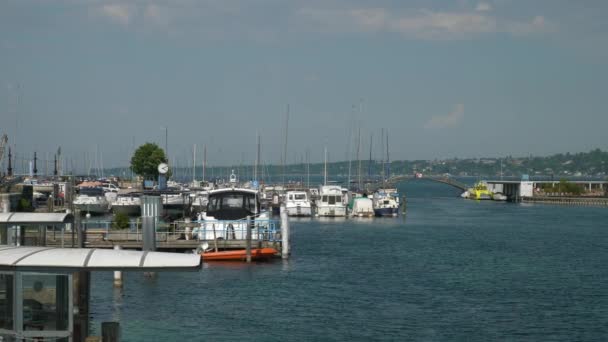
(303, 171)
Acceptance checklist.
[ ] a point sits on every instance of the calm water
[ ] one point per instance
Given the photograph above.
(450, 270)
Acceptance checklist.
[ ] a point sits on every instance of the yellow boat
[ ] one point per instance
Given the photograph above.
(480, 192)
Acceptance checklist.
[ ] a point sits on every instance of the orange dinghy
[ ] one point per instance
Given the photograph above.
(239, 255)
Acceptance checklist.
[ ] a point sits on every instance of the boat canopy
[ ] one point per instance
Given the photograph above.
(83, 259)
(36, 218)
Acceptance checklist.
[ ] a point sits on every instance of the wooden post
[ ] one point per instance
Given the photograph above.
(248, 246)
(284, 233)
(214, 238)
(110, 332)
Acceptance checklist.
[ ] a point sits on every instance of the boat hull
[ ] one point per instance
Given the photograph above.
(94, 208)
(240, 255)
(299, 211)
(129, 210)
(386, 212)
(331, 211)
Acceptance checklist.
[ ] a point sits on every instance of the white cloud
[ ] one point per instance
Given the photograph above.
(209, 19)
(536, 25)
(483, 7)
(121, 13)
(444, 25)
(419, 24)
(453, 118)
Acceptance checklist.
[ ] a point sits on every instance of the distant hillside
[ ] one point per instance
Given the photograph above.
(588, 164)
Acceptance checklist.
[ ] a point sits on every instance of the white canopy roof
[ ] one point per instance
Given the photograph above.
(36, 218)
(82, 259)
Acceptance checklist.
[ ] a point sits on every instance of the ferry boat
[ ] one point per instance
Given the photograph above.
(297, 203)
(386, 202)
(331, 202)
(479, 192)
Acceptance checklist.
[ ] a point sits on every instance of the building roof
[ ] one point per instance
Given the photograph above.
(36, 218)
(82, 259)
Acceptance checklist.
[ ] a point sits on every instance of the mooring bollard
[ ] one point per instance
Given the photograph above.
(284, 233)
(117, 274)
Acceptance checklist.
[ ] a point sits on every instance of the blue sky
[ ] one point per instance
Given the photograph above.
(447, 79)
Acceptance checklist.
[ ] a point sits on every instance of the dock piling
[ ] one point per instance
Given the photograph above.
(248, 243)
(110, 332)
(284, 233)
(117, 274)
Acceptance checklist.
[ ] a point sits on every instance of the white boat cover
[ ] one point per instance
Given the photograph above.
(82, 259)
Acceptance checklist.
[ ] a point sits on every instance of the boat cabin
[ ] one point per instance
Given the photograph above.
(232, 204)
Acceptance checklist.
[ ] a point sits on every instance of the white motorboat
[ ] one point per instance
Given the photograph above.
(330, 202)
(92, 200)
(498, 196)
(386, 202)
(226, 215)
(297, 204)
(129, 204)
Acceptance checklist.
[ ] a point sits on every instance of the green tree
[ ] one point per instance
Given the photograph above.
(145, 160)
(121, 221)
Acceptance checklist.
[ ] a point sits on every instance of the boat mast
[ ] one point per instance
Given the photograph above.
(382, 173)
(307, 168)
(257, 159)
(204, 160)
(369, 165)
(388, 162)
(348, 149)
(359, 160)
(325, 168)
(285, 145)
(194, 164)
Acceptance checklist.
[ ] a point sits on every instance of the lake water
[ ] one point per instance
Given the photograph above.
(450, 270)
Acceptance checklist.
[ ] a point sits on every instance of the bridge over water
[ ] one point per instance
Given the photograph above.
(444, 180)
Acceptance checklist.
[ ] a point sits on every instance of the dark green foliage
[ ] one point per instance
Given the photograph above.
(24, 205)
(564, 187)
(145, 160)
(121, 221)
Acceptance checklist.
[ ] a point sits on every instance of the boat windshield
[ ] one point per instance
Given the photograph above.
(231, 201)
(300, 196)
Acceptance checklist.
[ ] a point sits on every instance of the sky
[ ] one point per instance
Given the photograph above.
(444, 78)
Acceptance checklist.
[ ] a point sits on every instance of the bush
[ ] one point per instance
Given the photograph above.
(24, 206)
(121, 221)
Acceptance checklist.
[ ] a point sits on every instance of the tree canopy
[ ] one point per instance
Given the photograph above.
(146, 158)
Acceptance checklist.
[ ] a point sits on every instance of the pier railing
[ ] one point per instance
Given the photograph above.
(226, 234)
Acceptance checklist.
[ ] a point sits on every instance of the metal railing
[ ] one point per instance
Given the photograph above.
(261, 230)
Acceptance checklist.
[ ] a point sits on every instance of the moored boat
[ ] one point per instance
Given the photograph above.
(297, 203)
(331, 202)
(386, 202)
(257, 254)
